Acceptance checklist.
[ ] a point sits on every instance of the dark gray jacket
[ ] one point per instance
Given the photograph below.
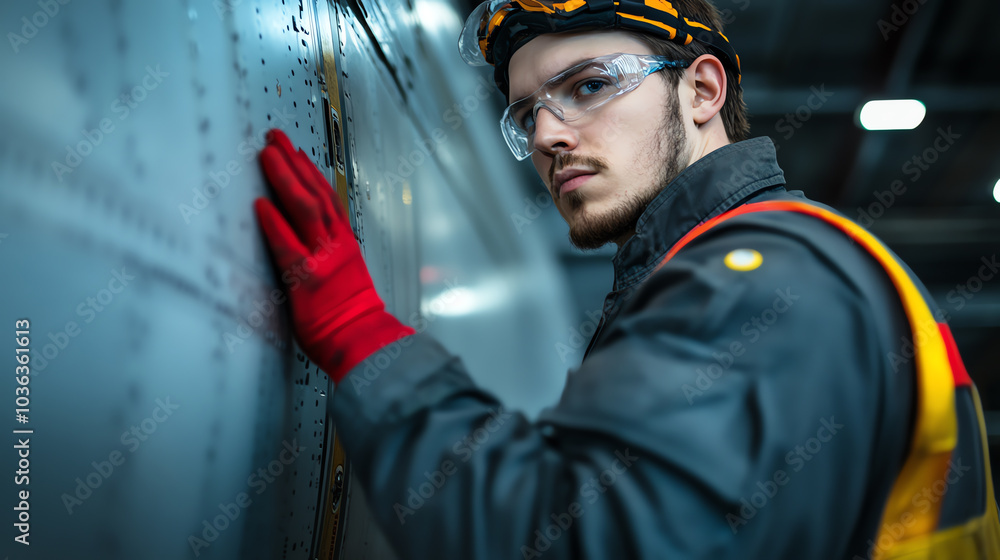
(718, 413)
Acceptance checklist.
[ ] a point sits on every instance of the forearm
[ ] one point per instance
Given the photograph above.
(450, 473)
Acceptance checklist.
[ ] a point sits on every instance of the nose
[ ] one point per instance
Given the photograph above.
(553, 135)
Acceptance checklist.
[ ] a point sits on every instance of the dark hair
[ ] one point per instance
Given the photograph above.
(734, 111)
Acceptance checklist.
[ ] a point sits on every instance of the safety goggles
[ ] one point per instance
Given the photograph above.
(576, 91)
(472, 41)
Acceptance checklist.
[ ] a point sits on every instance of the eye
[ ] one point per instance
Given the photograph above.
(591, 86)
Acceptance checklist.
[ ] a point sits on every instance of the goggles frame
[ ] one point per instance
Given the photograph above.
(625, 71)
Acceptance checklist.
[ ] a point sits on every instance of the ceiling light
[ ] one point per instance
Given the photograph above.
(892, 114)
(996, 192)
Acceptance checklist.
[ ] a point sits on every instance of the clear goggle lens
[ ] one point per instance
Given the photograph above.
(574, 92)
(468, 40)
(477, 25)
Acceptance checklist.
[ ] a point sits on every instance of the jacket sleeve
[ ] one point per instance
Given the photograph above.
(725, 414)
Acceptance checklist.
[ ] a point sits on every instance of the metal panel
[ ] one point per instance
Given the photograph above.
(130, 151)
(166, 393)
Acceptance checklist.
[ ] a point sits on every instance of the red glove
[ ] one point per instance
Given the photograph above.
(338, 318)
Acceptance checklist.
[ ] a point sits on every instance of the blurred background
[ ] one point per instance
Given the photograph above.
(172, 416)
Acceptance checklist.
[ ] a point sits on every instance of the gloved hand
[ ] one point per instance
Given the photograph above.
(338, 318)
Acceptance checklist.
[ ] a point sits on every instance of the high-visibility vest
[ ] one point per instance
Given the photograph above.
(907, 531)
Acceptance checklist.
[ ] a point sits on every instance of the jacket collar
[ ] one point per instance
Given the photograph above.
(708, 187)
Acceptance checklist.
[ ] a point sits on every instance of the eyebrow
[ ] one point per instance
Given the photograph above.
(576, 63)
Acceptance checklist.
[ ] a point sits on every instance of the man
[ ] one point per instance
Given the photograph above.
(761, 385)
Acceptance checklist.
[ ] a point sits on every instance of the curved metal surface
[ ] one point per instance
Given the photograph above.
(172, 415)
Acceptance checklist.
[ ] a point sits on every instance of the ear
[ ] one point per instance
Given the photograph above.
(707, 77)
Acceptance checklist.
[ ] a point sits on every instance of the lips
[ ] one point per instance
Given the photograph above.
(569, 179)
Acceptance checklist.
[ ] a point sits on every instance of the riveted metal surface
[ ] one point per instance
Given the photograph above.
(173, 415)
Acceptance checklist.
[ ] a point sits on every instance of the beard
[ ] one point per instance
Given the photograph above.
(590, 230)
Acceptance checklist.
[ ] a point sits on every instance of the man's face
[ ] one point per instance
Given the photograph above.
(627, 149)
